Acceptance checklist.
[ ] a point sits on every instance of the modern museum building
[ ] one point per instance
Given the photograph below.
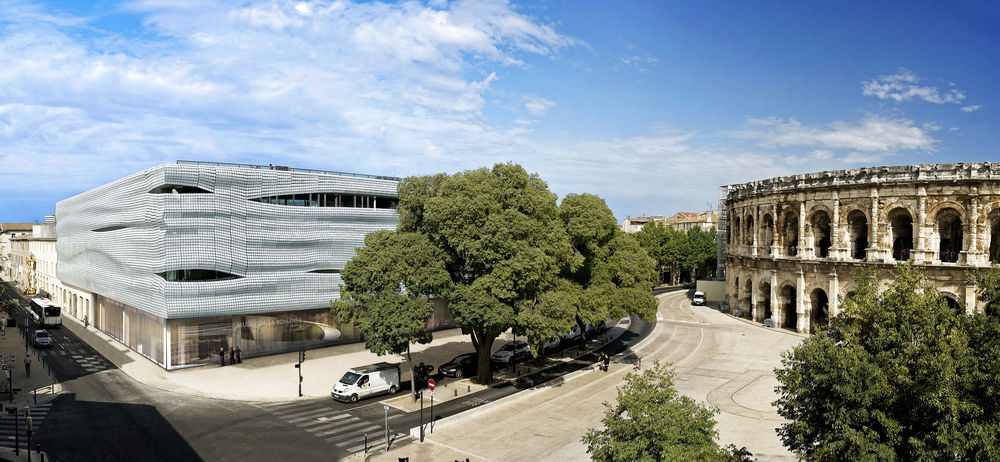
(183, 259)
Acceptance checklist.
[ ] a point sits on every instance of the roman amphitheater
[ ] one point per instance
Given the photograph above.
(794, 244)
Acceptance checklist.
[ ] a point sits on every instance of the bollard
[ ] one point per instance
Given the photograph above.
(468, 388)
(456, 392)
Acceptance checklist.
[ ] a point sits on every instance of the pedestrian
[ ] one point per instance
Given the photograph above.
(27, 365)
(232, 355)
(86, 321)
(3, 326)
(238, 358)
(607, 361)
(222, 356)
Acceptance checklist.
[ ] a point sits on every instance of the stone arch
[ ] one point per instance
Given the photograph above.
(734, 231)
(993, 219)
(749, 297)
(819, 309)
(949, 230)
(952, 299)
(748, 224)
(766, 240)
(787, 296)
(900, 232)
(789, 231)
(819, 228)
(764, 299)
(947, 204)
(857, 233)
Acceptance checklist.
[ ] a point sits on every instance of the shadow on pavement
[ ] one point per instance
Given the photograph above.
(88, 430)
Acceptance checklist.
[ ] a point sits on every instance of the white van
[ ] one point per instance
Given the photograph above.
(373, 379)
(699, 298)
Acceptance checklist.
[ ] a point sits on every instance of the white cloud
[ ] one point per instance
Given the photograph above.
(974, 107)
(873, 133)
(903, 86)
(537, 106)
(374, 87)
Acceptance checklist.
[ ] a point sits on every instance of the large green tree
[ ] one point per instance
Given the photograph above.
(895, 377)
(617, 275)
(652, 422)
(511, 256)
(387, 290)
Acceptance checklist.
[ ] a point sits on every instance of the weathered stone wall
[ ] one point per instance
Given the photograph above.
(794, 244)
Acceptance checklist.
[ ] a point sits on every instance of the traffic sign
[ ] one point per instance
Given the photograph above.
(432, 396)
(430, 384)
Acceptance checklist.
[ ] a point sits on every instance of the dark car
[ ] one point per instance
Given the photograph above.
(461, 366)
(42, 339)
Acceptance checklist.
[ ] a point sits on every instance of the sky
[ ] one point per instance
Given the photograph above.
(649, 105)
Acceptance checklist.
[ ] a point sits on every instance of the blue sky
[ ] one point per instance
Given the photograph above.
(650, 105)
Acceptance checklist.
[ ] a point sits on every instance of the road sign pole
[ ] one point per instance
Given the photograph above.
(432, 411)
(421, 416)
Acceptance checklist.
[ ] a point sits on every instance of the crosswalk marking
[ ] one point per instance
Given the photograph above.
(335, 426)
(8, 425)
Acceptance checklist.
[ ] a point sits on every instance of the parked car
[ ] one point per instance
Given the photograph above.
(465, 365)
(511, 352)
(699, 298)
(42, 339)
(553, 344)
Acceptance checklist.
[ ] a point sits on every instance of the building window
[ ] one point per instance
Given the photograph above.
(331, 200)
(178, 189)
(195, 275)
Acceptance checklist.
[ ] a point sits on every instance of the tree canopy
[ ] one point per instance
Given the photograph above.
(652, 422)
(503, 255)
(897, 376)
(675, 251)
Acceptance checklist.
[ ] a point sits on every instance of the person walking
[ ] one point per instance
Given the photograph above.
(607, 361)
(232, 355)
(222, 356)
(27, 365)
(238, 358)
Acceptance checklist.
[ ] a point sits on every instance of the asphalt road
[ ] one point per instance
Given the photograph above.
(106, 415)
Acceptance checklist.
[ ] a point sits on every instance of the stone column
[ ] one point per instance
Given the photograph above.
(775, 306)
(919, 230)
(971, 251)
(754, 232)
(800, 303)
(831, 296)
(874, 249)
(970, 299)
(802, 227)
(775, 242)
(754, 288)
(836, 236)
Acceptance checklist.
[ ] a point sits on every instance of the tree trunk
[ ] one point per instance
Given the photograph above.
(485, 374)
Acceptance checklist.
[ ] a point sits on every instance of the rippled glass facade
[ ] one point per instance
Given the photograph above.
(185, 258)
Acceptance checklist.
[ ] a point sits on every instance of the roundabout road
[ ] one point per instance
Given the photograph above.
(728, 363)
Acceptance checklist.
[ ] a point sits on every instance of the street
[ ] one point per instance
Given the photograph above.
(103, 414)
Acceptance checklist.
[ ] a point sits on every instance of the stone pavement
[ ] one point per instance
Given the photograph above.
(720, 360)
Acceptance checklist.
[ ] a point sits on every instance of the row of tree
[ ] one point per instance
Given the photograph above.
(677, 252)
(897, 376)
(504, 254)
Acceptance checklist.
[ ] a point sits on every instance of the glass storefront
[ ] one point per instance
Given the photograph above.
(197, 341)
(137, 329)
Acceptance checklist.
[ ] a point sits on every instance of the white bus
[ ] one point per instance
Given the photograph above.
(46, 313)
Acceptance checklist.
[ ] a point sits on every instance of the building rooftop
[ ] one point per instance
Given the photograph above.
(289, 169)
(8, 227)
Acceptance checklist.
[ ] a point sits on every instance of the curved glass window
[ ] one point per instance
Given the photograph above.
(195, 275)
(109, 228)
(331, 200)
(178, 189)
(325, 271)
